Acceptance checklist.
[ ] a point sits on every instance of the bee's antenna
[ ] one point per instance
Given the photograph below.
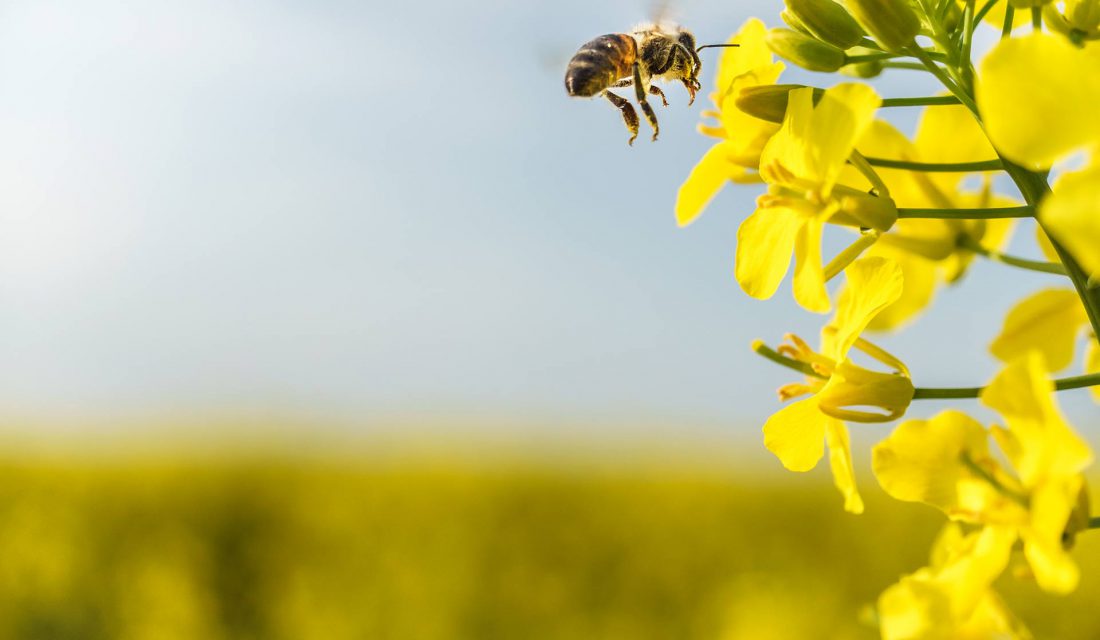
(707, 46)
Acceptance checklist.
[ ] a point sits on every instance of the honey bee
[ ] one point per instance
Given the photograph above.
(635, 59)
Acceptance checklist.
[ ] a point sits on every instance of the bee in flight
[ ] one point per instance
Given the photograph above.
(635, 59)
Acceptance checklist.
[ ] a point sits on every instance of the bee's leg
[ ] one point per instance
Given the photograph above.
(639, 93)
(692, 87)
(656, 91)
(630, 117)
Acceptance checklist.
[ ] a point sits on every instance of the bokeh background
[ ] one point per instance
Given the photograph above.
(340, 320)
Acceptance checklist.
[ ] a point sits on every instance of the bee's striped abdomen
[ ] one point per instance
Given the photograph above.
(600, 63)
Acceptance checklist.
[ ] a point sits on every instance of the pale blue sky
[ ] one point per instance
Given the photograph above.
(376, 210)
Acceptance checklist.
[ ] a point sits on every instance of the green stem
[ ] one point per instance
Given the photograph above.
(937, 167)
(764, 350)
(919, 102)
(913, 66)
(1022, 263)
(1094, 523)
(1037, 18)
(1010, 16)
(958, 393)
(987, 213)
(967, 69)
(942, 76)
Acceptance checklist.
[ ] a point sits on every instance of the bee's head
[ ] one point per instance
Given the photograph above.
(685, 38)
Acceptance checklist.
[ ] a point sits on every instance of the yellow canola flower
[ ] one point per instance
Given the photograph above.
(1037, 95)
(1070, 213)
(1049, 321)
(802, 164)
(945, 462)
(930, 251)
(951, 598)
(736, 157)
(798, 433)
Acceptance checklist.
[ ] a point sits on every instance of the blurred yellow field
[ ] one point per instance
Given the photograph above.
(272, 548)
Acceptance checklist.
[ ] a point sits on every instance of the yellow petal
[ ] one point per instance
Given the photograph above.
(872, 284)
(1045, 246)
(1048, 321)
(751, 54)
(1038, 96)
(922, 460)
(748, 135)
(1051, 505)
(764, 245)
(703, 183)
(1072, 214)
(919, 278)
(840, 462)
(1023, 395)
(796, 434)
(951, 134)
(809, 277)
(844, 114)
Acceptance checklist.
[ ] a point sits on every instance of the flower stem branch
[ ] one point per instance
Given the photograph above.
(921, 101)
(988, 213)
(957, 393)
(937, 167)
(1033, 265)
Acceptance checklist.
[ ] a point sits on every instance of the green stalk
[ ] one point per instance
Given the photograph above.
(936, 167)
(942, 76)
(958, 393)
(922, 101)
(987, 213)
(1032, 265)
(967, 69)
(912, 66)
(1010, 15)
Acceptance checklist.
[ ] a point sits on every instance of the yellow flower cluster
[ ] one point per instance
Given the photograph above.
(919, 212)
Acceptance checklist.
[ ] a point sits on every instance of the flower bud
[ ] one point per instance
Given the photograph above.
(1083, 15)
(863, 69)
(769, 101)
(804, 51)
(827, 21)
(793, 22)
(852, 388)
(871, 212)
(893, 23)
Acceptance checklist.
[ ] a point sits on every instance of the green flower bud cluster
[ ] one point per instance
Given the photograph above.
(826, 36)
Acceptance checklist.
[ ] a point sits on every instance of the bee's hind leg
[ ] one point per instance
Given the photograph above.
(630, 117)
(653, 89)
(639, 93)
